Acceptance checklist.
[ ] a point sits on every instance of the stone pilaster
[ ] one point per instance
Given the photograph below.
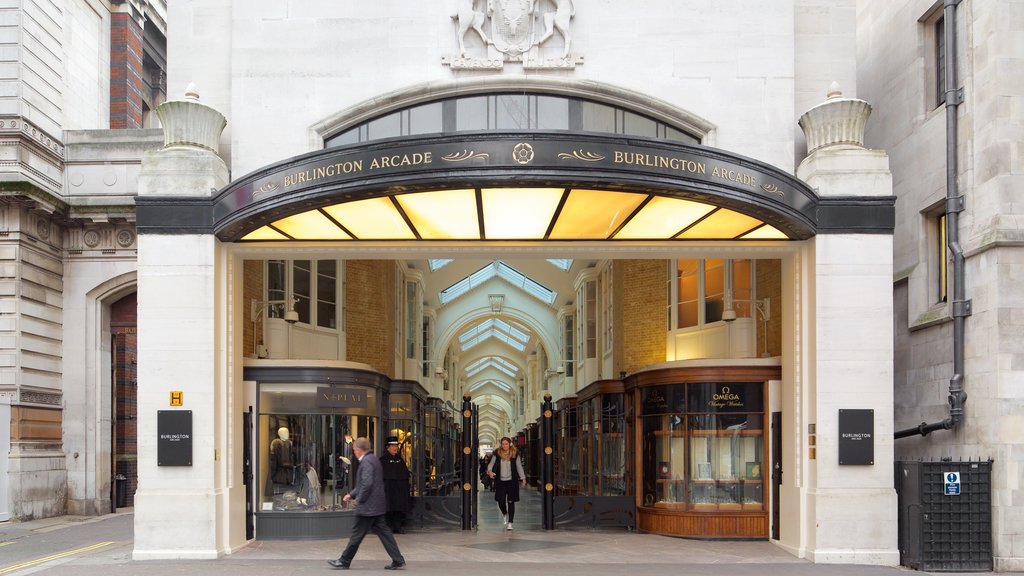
(180, 510)
(850, 328)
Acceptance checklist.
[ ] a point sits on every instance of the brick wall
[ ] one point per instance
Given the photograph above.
(252, 289)
(769, 284)
(369, 313)
(644, 301)
(126, 86)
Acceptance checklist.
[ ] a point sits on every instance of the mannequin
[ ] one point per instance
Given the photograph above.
(282, 461)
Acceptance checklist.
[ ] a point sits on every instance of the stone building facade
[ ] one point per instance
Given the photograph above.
(99, 204)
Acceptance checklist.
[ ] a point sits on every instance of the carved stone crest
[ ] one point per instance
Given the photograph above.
(493, 32)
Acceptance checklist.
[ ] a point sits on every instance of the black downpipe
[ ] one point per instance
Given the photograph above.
(954, 205)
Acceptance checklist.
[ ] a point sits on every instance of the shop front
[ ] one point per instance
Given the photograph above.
(703, 436)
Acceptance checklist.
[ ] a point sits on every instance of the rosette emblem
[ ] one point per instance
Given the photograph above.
(522, 153)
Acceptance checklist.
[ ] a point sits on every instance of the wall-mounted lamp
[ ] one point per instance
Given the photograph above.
(258, 308)
(763, 310)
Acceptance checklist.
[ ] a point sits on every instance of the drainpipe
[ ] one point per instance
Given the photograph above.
(954, 205)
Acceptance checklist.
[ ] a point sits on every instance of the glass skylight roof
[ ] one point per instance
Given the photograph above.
(562, 263)
(501, 385)
(494, 328)
(491, 362)
(439, 263)
(504, 271)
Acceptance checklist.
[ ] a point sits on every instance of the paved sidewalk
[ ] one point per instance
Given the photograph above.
(102, 547)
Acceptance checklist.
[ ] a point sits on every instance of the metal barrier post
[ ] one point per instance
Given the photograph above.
(547, 441)
(468, 467)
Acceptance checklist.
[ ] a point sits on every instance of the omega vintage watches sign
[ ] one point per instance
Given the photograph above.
(493, 32)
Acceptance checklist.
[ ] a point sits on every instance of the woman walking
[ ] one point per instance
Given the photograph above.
(506, 471)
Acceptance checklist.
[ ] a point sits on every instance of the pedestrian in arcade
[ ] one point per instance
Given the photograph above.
(396, 485)
(506, 471)
(371, 506)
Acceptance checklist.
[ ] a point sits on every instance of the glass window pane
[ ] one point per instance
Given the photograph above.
(346, 137)
(679, 136)
(636, 125)
(326, 293)
(425, 119)
(742, 287)
(511, 112)
(385, 127)
(688, 283)
(714, 288)
(597, 117)
(301, 288)
(552, 113)
(471, 113)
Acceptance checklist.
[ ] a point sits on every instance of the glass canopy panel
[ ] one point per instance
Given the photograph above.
(723, 224)
(373, 219)
(765, 232)
(312, 225)
(662, 218)
(443, 215)
(594, 214)
(264, 233)
(519, 213)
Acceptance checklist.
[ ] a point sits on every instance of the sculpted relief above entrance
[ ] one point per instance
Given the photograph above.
(537, 33)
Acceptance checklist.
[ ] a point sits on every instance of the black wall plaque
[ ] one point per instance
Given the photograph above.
(856, 437)
(174, 438)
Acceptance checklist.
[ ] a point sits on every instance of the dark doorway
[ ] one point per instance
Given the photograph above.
(776, 470)
(124, 373)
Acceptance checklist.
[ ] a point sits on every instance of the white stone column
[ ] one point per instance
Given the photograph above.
(850, 514)
(177, 508)
(5, 448)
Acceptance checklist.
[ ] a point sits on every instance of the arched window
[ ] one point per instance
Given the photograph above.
(504, 112)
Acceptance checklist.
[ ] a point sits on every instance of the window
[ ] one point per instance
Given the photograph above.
(590, 318)
(428, 337)
(509, 112)
(941, 261)
(933, 33)
(939, 29)
(568, 344)
(326, 293)
(412, 317)
(292, 281)
(701, 290)
(607, 322)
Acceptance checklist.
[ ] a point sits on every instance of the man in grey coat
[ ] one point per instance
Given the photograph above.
(371, 506)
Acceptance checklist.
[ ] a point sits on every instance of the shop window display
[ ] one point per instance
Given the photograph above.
(704, 446)
(306, 459)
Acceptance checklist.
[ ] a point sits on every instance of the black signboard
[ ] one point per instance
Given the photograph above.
(856, 437)
(174, 438)
(726, 397)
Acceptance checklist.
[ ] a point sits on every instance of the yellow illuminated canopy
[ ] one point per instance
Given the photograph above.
(518, 214)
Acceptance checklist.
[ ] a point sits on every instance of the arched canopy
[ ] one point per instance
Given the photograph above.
(516, 186)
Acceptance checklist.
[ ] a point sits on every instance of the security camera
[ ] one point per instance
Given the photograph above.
(291, 316)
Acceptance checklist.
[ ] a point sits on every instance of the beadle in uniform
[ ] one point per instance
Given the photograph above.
(396, 485)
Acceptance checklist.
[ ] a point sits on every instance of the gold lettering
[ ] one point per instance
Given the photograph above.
(656, 161)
